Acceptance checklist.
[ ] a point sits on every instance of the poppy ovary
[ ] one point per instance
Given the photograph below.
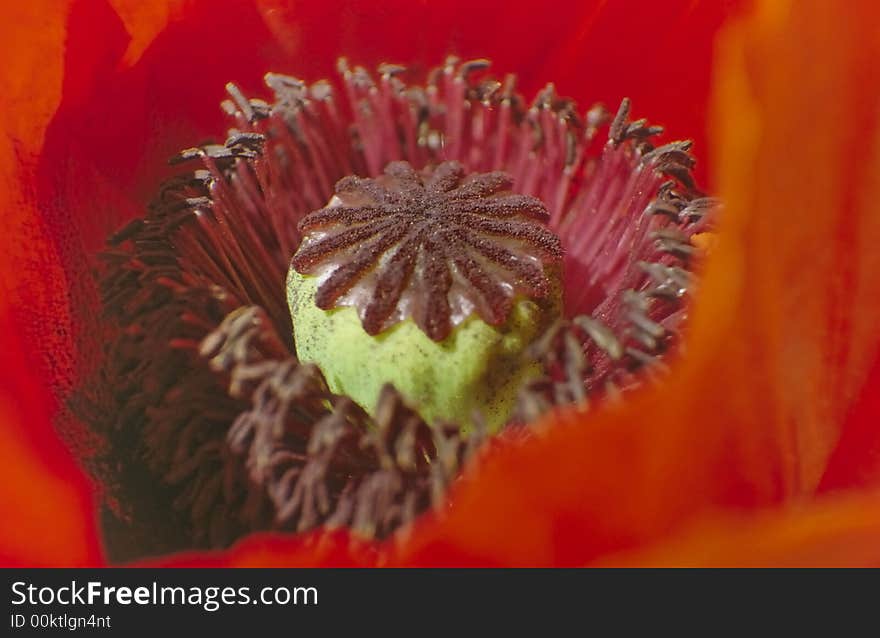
(435, 281)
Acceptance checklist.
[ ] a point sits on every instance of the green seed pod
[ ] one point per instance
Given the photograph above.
(477, 367)
(435, 281)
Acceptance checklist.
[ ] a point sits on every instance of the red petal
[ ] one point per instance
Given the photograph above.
(317, 549)
(856, 460)
(48, 503)
(144, 21)
(839, 532)
(46, 500)
(657, 53)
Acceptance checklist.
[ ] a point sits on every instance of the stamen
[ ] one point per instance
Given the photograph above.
(317, 457)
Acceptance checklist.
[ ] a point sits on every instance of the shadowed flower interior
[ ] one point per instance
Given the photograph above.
(213, 427)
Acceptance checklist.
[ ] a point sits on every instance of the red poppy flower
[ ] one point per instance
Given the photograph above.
(759, 447)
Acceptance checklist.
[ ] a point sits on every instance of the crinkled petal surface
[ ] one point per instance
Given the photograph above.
(47, 499)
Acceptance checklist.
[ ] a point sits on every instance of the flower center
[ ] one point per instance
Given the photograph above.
(425, 289)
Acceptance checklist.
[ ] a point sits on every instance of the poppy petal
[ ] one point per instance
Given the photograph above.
(48, 502)
(144, 21)
(800, 137)
(336, 548)
(839, 532)
(856, 460)
(47, 499)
